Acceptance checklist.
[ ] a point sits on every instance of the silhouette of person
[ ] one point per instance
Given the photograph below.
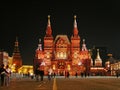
(68, 74)
(41, 74)
(7, 76)
(2, 74)
(76, 74)
(37, 74)
(81, 74)
(50, 74)
(117, 74)
(54, 74)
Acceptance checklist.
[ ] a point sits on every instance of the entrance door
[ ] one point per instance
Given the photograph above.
(61, 72)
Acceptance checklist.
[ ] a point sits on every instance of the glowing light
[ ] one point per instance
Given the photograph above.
(43, 63)
(53, 67)
(80, 63)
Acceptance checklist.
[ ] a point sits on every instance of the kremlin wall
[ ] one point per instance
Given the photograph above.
(62, 54)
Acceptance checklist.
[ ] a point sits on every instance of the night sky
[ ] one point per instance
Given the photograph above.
(98, 23)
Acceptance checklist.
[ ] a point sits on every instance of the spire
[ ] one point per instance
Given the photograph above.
(16, 42)
(16, 38)
(84, 48)
(98, 60)
(83, 41)
(40, 40)
(16, 49)
(98, 55)
(75, 23)
(48, 20)
(48, 30)
(39, 45)
(75, 30)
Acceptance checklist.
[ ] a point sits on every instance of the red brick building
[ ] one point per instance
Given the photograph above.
(62, 53)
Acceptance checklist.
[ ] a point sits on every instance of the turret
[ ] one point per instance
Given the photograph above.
(84, 48)
(98, 60)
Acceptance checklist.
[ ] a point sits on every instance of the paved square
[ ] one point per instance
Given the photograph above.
(61, 83)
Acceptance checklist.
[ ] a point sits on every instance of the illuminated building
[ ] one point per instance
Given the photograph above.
(63, 54)
(26, 69)
(115, 68)
(17, 60)
(97, 68)
(4, 58)
(102, 51)
(112, 65)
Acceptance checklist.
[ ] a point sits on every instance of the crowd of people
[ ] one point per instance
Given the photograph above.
(39, 74)
(5, 73)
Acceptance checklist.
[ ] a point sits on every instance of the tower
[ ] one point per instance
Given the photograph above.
(98, 60)
(17, 60)
(85, 57)
(48, 42)
(75, 43)
(39, 55)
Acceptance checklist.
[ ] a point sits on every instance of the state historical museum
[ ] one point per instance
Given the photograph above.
(62, 53)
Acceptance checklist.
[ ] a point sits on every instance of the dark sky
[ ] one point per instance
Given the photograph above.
(98, 22)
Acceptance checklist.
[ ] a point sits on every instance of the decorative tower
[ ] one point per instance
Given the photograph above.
(17, 60)
(39, 52)
(39, 56)
(98, 60)
(85, 57)
(75, 43)
(84, 52)
(90, 54)
(48, 43)
(84, 48)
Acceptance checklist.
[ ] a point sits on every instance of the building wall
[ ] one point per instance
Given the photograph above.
(4, 58)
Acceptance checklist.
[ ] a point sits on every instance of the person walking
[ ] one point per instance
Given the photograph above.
(41, 74)
(68, 74)
(76, 74)
(3, 72)
(49, 74)
(7, 76)
(37, 74)
(54, 74)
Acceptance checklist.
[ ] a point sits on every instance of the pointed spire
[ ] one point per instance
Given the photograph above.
(16, 38)
(39, 45)
(98, 60)
(16, 42)
(98, 55)
(75, 30)
(83, 41)
(48, 20)
(48, 30)
(40, 40)
(75, 23)
(84, 48)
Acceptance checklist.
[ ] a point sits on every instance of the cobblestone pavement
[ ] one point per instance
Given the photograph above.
(88, 84)
(28, 84)
(96, 83)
